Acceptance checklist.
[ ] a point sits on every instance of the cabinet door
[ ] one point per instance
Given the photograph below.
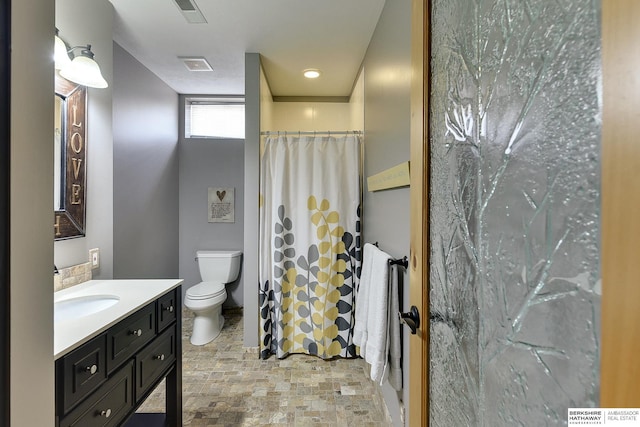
(167, 309)
(109, 406)
(82, 371)
(154, 360)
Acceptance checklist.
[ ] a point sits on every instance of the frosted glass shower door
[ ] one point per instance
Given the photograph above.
(514, 213)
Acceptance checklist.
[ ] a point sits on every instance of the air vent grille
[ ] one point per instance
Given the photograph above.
(196, 63)
(190, 11)
(185, 5)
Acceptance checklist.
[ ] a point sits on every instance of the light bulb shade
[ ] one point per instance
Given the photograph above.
(84, 71)
(60, 55)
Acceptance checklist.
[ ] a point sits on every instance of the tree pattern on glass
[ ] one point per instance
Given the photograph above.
(309, 307)
(514, 146)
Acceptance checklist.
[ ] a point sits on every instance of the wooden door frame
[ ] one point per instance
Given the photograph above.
(620, 207)
(419, 213)
(5, 141)
(620, 201)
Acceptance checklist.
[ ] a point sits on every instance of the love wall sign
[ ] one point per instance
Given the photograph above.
(221, 204)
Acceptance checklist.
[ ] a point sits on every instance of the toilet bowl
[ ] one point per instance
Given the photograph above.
(217, 268)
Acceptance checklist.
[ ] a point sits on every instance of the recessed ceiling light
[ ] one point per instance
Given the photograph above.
(312, 73)
(196, 63)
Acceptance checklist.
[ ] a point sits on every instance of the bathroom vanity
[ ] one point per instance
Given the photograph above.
(114, 342)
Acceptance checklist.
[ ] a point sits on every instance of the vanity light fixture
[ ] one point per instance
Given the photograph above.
(311, 73)
(60, 55)
(82, 69)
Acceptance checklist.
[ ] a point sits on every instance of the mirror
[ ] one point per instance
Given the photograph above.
(70, 147)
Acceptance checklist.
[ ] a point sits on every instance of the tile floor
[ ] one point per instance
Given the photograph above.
(227, 385)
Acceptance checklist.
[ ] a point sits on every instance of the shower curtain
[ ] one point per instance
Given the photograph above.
(310, 249)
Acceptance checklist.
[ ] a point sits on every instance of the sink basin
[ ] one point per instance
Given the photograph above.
(74, 308)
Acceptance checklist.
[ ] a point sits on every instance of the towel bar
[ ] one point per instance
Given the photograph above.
(403, 262)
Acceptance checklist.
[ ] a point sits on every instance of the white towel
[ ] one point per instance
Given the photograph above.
(362, 300)
(395, 349)
(372, 311)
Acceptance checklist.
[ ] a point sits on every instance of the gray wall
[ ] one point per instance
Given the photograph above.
(251, 185)
(208, 163)
(145, 165)
(31, 215)
(387, 74)
(81, 22)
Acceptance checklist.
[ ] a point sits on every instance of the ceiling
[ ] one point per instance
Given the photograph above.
(290, 35)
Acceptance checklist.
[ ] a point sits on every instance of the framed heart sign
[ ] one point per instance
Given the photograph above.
(221, 204)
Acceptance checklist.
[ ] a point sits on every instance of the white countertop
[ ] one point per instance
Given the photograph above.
(133, 293)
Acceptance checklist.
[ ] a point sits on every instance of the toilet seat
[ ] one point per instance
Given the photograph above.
(205, 290)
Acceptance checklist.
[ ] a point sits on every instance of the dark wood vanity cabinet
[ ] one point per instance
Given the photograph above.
(102, 382)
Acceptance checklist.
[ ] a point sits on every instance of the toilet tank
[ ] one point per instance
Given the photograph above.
(218, 266)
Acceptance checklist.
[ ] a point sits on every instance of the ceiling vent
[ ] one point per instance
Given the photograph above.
(190, 11)
(195, 63)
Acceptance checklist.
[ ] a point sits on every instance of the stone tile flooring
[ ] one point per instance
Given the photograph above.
(227, 385)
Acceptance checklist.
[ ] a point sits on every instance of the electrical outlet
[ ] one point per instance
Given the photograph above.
(94, 258)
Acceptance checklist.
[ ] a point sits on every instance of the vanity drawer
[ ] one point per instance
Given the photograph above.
(128, 336)
(81, 371)
(108, 406)
(152, 361)
(167, 309)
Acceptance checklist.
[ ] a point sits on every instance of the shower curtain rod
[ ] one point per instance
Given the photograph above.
(313, 132)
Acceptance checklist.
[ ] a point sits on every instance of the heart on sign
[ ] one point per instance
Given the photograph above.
(221, 194)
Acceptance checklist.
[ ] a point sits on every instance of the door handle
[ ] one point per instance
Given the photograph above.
(411, 319)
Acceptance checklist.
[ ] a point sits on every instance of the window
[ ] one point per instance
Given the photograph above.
(219, 117)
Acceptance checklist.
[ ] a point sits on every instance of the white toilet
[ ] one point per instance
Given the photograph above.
(217, 268)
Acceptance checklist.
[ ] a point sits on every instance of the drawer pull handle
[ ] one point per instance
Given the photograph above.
(160, 357)
(92, 369)
(137, 332)
(106, 413)
(169, 308)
